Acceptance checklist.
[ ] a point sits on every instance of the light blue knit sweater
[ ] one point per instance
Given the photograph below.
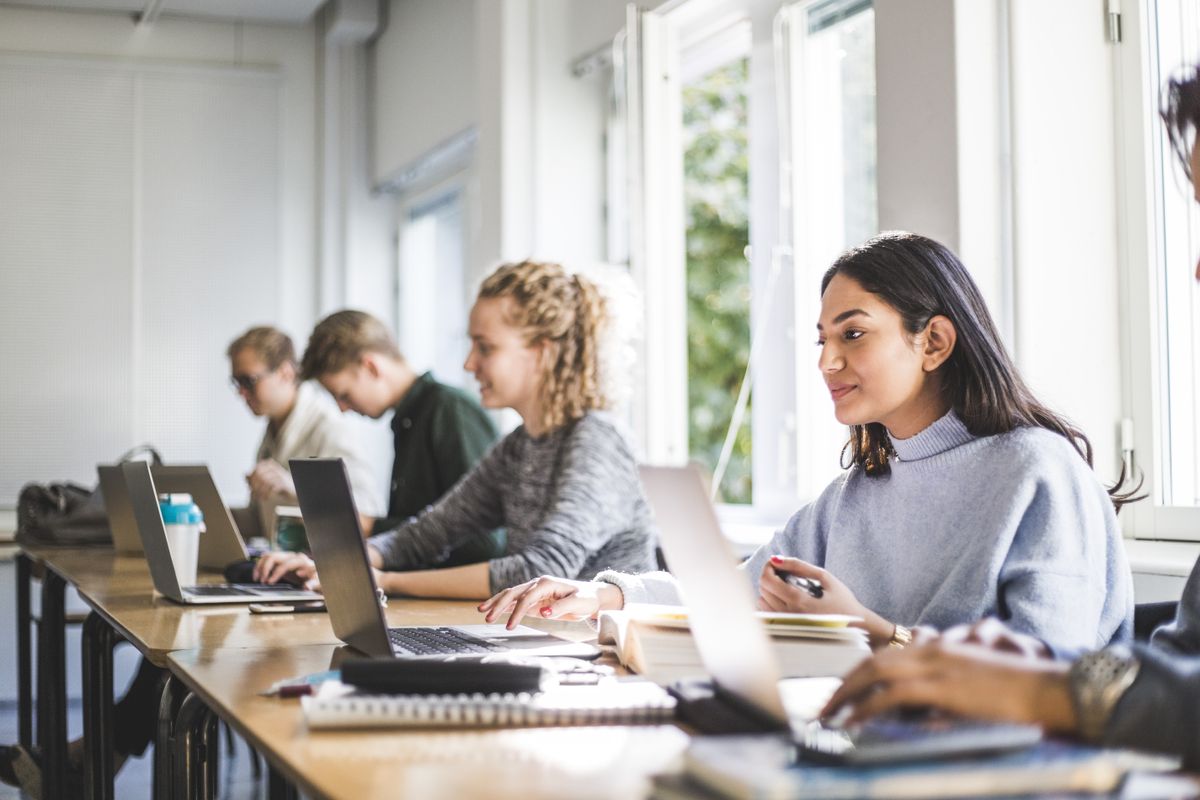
(1014, 526)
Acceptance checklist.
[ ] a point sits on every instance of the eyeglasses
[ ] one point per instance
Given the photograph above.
(246, 383)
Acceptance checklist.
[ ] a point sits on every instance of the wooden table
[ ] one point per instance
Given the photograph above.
(599, 762)
(119, 591)
(228, 655)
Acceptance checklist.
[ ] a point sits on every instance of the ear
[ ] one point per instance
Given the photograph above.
(288, 370)
(940, 338)
(370, 363)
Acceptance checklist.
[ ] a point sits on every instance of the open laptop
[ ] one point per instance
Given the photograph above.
(126, 538)
(221, 544)
(143, 500)
(738, 656)
(355, 603)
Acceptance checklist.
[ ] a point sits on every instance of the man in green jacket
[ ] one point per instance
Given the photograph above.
(439, 432)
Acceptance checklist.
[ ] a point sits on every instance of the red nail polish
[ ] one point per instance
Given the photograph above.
(776, 560)
(546, 611)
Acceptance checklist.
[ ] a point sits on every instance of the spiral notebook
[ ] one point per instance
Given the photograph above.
(610, 702)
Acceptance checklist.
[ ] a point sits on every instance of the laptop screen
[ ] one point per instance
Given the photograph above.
(732, 643)
(336, 539)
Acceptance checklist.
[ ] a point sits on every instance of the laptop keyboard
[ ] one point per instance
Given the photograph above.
(439, 641)
(224, 589)
(239, 589)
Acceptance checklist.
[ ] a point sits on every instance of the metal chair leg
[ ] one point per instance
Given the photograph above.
(191, 730)
(52, 686)
(170, 697)
(98, 640)
(24, 652)
(278, 787)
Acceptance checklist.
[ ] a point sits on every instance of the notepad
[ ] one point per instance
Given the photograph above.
(610, 702)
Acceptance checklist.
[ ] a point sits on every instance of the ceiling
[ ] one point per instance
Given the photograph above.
(295, 12)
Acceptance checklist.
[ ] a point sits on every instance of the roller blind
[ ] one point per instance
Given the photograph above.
(140, 215)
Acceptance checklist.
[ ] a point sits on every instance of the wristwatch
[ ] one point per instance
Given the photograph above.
(901, 637)
(1098, 680)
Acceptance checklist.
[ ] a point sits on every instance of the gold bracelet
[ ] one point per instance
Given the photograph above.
(901, 637)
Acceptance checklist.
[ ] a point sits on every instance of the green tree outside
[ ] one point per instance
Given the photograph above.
(717, 195)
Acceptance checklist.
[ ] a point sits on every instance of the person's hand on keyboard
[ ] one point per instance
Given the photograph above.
(960, 678)
(290, 567)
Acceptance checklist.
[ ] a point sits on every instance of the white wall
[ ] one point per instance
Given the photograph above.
(944, 160)
(287, 263)
(426, 81)
(289, 49)
(1064, 190)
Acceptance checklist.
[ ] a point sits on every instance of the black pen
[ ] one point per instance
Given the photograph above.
(810, 585)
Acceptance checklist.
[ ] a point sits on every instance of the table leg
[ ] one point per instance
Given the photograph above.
(211, 760)
(278, 787)
(52, 686)
(24, 653)
(191, 729)
(99, 639)
(170, 697)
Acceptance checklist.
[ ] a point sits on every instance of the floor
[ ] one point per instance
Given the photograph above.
(237, 781)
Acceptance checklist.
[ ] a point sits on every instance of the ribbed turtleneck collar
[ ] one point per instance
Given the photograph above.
(945, 434)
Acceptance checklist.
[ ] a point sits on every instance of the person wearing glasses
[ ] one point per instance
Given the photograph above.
(301, 423)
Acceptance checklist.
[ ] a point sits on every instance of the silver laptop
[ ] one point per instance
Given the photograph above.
(738, 656)
(143, 500)
(116, 505)
(221, 544)
(356, 604)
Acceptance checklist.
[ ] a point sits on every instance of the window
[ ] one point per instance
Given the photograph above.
(1162, 436)
(831, 126)
(751, 157)
(716, 197)
(433, 301)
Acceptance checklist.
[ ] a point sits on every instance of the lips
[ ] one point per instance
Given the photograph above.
(839, 390)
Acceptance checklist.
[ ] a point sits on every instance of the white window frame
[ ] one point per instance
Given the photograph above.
(654, 42)
(1140, 158)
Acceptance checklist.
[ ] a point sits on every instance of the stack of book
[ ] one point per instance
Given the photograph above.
(655, 642)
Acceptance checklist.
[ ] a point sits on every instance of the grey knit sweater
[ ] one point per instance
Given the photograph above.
(571, 502)
(1014, 526)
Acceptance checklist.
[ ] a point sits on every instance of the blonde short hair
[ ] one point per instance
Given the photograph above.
(270, 344)
(341, 339)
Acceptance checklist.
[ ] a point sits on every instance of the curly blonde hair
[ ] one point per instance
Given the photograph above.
(566, 312)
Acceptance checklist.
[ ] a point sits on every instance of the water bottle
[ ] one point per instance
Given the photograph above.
(184, 524)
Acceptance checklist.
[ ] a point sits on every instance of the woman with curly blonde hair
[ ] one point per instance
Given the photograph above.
(564, 484)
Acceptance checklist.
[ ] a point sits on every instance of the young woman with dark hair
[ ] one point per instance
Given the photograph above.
(964, 496)
(1145, 697)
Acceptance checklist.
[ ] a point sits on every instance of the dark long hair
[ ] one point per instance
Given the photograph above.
(1181, 114)
(921, 279)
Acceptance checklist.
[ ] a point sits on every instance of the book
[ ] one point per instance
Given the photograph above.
(764, 767)
(655, 642)
(611, 701)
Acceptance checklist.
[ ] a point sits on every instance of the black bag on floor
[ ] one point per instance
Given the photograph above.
(67, 514)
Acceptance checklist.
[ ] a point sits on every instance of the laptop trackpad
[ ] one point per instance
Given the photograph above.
(522, 636)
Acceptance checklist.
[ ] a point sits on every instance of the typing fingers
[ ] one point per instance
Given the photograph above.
(906, 694)
(537, 596)
(874, 674)
(501, 601)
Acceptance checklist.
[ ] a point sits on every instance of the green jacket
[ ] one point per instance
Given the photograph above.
(439, 433)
